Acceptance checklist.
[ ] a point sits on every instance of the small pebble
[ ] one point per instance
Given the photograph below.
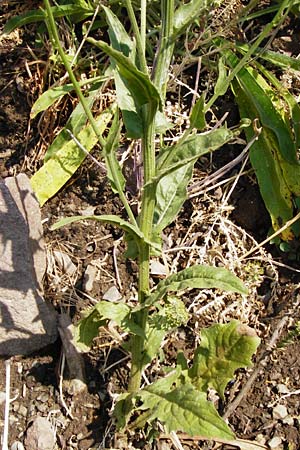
(17, 446)
(280, 412)
(282, 389)
(89, 278)
(40, 435)
(288, 420)
(275, 442)
(2, 397)
(112, 295)
(23, 411)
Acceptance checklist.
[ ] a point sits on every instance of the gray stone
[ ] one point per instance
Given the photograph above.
(40, 435)
(27, 322)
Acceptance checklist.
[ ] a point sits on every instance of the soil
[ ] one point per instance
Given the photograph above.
(39, 384)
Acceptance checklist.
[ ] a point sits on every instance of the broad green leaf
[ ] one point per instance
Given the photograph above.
(75, 123)
(198, 277)
(121, 41)
(141, 88)
(87, 328)
(38, 15)
(109, 153)
(183, 409)
(175, 168)
(222, 350)
(197, 117)
(171, 193)
(52, 176)
(51, 95)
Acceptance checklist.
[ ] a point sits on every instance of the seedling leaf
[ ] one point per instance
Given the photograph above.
(222, 350)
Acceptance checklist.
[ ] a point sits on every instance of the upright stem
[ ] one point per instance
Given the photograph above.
(160, 77)
(138, 38)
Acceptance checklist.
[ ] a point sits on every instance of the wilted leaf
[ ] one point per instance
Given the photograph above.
(52, 176)
(222, 350)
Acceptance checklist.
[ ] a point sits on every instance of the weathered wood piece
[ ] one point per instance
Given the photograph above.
(27, 322)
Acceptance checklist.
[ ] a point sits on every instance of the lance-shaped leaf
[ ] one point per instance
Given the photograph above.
(186, 13)
(175, 169)
(87, 328)
(269, 172)
(121, 41)
(52, 176)
(269, 116)
(109, 152)
(222, 350)
(139, 84)
(53, 94)
(198, 277)
(184, 409)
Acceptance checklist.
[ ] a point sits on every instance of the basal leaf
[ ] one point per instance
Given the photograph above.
(121, 314)
(75, 123)
(198, 277)
(141, 88)
(183, 409)
(222, 350)
(52, 176)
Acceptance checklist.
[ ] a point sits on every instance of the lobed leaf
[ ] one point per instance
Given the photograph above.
(183, 409)
(222, 350)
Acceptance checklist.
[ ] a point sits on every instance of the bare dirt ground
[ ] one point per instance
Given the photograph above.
(262, 403)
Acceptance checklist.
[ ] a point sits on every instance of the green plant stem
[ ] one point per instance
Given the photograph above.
(143, 24)
(278, 18)
(160, 75)
(137, 34)
(55, 37)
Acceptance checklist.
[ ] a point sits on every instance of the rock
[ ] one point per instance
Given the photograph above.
(112, 295)
(89, 277)
(27, 322)
(280, 412)
(275, 443)
(40, 435)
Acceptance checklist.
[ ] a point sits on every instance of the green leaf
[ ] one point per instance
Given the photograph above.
(222, 350)
(183, 409)
(38, 15)
(51, 95)
(197, 117)
(187, 13)
(175, 169)
(87, 328)
(198, 277)
(221, 85)
(52, 176)
(121, 41)
(141, 88)
(109, 153)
